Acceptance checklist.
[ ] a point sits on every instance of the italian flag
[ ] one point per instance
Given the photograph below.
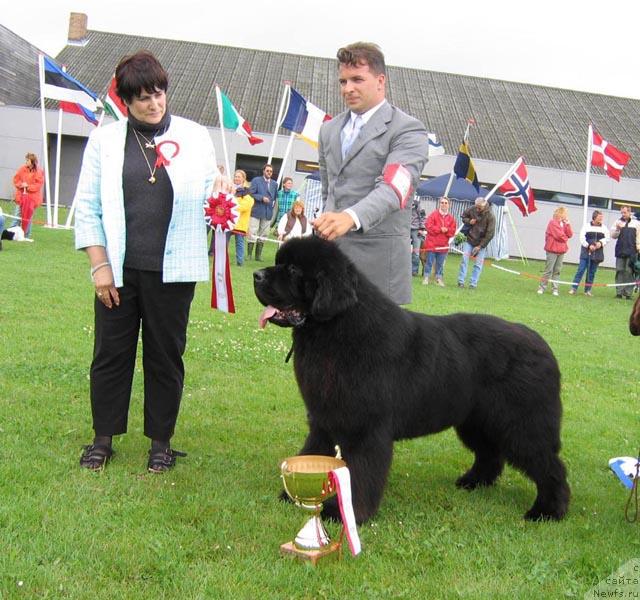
(231, 119)
(113, 105)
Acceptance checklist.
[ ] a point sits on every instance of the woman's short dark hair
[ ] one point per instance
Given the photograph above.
(138, 72)
(363, 53)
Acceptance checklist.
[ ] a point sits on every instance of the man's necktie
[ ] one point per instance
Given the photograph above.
(350, 137)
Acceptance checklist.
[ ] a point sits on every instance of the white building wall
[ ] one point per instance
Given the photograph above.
(21, 132)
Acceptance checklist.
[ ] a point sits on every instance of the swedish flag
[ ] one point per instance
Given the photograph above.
(464, 166)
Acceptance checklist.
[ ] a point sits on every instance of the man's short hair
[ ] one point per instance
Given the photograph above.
(267, 166)
(363, 53)
(138, 72)
(595, 214)
(285, 179)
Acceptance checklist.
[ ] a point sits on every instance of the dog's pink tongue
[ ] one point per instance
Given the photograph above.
(267, 313)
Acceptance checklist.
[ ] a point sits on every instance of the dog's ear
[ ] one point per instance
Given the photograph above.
(333, 295)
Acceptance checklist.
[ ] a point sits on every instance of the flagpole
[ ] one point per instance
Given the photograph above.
(45, 146)
(224, 139)
(515, 233)
(286, 156)
(281, 112)
(465, 137)
(512, 169)
(56, 192)
(586, 177)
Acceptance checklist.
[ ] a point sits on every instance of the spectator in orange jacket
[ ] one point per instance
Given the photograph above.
(441, 227)
(555, 245)
(28, 182)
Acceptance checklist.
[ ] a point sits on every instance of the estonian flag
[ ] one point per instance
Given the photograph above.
(464, 166)
(58, 85)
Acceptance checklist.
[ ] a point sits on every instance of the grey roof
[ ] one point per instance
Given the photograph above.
(546, 125)
(18, 70)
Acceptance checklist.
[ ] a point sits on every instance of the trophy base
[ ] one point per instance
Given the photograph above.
(329, 553)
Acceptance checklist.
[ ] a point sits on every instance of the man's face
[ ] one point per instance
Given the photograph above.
(360, 88)
(625, 213)
(444, 205)
(267, 172)
(287, 185)
(598, 219)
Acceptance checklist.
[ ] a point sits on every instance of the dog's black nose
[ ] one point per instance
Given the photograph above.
(258, 276)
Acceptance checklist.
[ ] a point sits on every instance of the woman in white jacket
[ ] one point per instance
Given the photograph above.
(294, 223)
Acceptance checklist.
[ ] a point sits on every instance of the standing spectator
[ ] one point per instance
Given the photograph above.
(142, 226)
(359, 152)
(417, 235)
(593, 238)
(555, 245)
(286, 197)
(264, 191)
(28, 182)
(295, 223)
(482, 222)
(625, 231)
(441, 227)
(245, 203)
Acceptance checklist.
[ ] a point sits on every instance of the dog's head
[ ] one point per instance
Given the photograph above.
(312, 278)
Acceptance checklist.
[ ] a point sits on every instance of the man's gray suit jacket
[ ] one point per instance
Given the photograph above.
(381, 248)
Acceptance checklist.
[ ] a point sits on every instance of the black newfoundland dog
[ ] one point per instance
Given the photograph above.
(371, 373)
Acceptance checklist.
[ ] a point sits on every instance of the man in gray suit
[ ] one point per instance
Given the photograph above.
(371, 157)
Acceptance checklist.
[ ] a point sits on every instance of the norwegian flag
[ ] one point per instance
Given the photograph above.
(608, 157)
(517, 188)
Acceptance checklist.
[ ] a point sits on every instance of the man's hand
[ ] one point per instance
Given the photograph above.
(475, 251)
(266, 199)
(332, 225)
(472, 221)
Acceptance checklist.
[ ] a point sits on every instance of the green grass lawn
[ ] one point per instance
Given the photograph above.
(211, 528)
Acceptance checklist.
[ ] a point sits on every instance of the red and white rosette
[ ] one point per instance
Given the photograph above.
(341, 480)
(221, 214)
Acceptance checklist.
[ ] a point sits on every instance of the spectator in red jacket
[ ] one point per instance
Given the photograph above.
(441, 227)
(555, 245)
(28, 182)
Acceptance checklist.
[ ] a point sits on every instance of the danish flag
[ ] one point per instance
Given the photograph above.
(517, 188)
(608, 157)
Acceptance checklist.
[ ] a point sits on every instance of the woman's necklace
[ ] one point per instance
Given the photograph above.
(148, 143)
(152, 172)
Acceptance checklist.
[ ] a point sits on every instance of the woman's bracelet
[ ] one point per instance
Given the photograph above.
(95, 269)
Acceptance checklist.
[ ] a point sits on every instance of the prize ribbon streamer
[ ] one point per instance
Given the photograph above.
(341, 479)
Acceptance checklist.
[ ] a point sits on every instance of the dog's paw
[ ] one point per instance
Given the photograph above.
(284, 497)
(331, 511)
(467, 482)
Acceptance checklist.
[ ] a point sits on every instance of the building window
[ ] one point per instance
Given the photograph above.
(307, 166)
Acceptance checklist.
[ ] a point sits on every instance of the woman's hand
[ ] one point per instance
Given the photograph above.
(106, 291)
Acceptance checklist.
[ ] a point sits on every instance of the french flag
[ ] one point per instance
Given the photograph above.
(304, 118)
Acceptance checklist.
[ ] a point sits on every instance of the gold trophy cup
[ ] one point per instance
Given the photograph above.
(306, 481)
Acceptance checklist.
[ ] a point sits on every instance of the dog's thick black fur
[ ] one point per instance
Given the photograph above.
(371, 373)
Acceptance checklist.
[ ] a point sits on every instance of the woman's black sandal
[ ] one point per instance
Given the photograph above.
(96, 456)
(163, 460)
